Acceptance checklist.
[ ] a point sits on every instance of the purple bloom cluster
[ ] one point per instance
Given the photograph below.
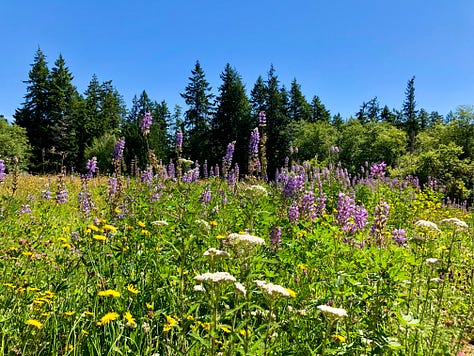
(2, 170)
(378, 170)
(25, 209)
(61, 195)
(227, 160)
(113, 185)
(91, 167)
(290, 183)
(350, 217)
(179, 141)
(293, 213)
(275, 237)
(146, 122)
(205, 197)
(85, 202)
(399, 236)
(117, 154)
(308, 207)
(171, 170)
(262, 118)
(147, 175)
(254, 141)
(381, 215)
(46, 193)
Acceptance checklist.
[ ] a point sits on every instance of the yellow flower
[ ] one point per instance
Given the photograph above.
(109, 293)
(225, 329)
(149, 306)
(292, 292)
(88, 313)
(100, 237)
(190, 317)
(66, 246)
(9, 285)
(170, 323)
(69, 313)
(117, 211)
(107, 318)
(205, 326)
(141, 224)
(32, 289)
(93, 228)
(27, 253)
(109, 228)
(85, 332)
(220, 237)
(145, 232)
(132, 289)
(68, 347)
(244, 332)
(130, 319)
(338, 337)
(213, 223)
(33, 322)
(62, 239)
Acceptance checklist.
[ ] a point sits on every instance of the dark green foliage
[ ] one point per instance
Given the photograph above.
(313, 140)
(198, 97)
(232, 120)
(299, 109)
(319, 111)
(409, 114)
(14, 143)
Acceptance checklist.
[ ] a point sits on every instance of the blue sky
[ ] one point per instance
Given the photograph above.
(344, 51)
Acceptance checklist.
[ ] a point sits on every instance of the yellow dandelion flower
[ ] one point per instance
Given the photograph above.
(132, 289)
(100, 237)
(69, 313)
(190, 317)
(170, 320)
(149, 306)
(292, 292)
(130, 319)
(62, 239)
(35, 323)
(109, 293)
(46, 314)
(213, 223)
(117, 211)
(9, 285)
(205, 326)
(145, 232)
(220, 237)
(68, 347)
(66, 246)
(338, 337)
(244, 332)
(93, 228)
(224, 329)
(107, 318)
(110, 228)
(84, 332)
(27, 253)
(88, 313)
(32, 289)
(141, 224)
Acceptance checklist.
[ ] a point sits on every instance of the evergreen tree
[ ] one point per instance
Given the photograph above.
(198, 97)
(299, 108)
(319, 111)
(159, 140)
(258, 98)
(386, 115)
(337, 120)
(423, 118)
(232, 118)
(33, 115)
(409, 114)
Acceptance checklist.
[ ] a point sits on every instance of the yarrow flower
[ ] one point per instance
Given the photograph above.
(245, 239)
(216, 277)
(256, 192)
(427, 224)
(215, 253)
(274, 289)
(432, 261)
(240, 287)
(332, 312)
(456, 222)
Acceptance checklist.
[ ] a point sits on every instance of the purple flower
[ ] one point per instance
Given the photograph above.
(399, 237)
(307, 205)
(25, 209)
(147, 175)
(145, 124)
(2, 170)
(62, 195)
(275, 237)
(262, 118)
(117, 154)
(254, 142)
(85, 201)
(227, 160)
(350, 216)
(171, 170)
(179, 140)
(205, 197)
(381, 215)
(113, 184)
(378, 170)
(91, 167)
(293, 213)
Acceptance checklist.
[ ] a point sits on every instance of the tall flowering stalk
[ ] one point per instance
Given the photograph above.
(145, 124)
(254, 142)
(350, 217)
(381, 215)
(2, 170)
(262, 123)
(117, 155)
(227, 159)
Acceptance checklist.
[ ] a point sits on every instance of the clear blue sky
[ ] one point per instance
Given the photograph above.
(346, 52)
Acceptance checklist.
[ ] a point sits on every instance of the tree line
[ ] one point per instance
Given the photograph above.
(65, 128)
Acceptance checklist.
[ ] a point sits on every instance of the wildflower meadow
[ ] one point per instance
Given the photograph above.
(182, 259)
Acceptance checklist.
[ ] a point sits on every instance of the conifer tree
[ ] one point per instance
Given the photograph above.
(299, 108)
(198, 97)
(409, 114)
(319, 111)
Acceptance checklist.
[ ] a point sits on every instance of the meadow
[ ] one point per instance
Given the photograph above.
(177, 262)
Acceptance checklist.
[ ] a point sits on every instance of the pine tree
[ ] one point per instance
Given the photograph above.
(386, 115)
(198, 97)
(33, 114)
(258, 98)
(232, 121)
(299, 108)
(319, 111)
(409, 114)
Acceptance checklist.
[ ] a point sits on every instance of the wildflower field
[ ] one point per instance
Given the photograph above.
(164, 263)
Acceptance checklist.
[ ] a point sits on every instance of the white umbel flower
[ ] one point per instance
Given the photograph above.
(256, 191)
(427, 224)
(456, 222)
(216, 277)
(215, 253)
(272, 289)
(331, 311)
(432, 261)
(245, 239)
(159, 223)
(240, 287)
(199, 288)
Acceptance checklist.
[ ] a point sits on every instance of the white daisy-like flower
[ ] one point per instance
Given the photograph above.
(240, 287)
(199, 288)
(331, 311)
(215, 253)
(432, 261)
(216, 277)
(456, 222)
(427, 224)
(272, 289)
(245, 239)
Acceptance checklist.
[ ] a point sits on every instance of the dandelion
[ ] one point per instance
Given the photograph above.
(170, 323)
(109, 228)
(35, 323)
(130, 319)
(109, 293)
(108, 318)
(69, 313)
(132, 289)
(338, 338)
(216, 277)
(332, 312)
(99, 237)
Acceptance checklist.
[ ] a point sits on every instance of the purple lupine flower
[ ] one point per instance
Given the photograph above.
(223, 197)
(25, 209)
(254, 142)
(171, 170)
(205, 170)
(399, 237)
(227, 159)
(46, 193)
(147, 175)
(320, 207)
(275, 237)
(205, 197)
(145, 124)
(117, 154)
(85, 201)
(62, 195)
(378, 170)
(262, 118)
(236, 171)
(113, 185)
(350, 216)
(381, 215)
(231, 179)
(307, 205)
(360, 217)
(179, 141)
(2, 170)
(216, 170)
(91, 167)
(292, 183)
(293, 213)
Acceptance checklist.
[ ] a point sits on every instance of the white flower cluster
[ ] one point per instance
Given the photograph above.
(199, 288)
(272, 289)
(427, 224)
(331, 311)
(456, 222)
(203, 224)
(159, 223)
(215, 253)
(432, 261)
(216, 277)
(256, 191)
(240, 287)
(245, 239)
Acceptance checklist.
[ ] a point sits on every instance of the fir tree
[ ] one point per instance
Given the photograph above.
(409, 114)
(299, 108)
(319, 111)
